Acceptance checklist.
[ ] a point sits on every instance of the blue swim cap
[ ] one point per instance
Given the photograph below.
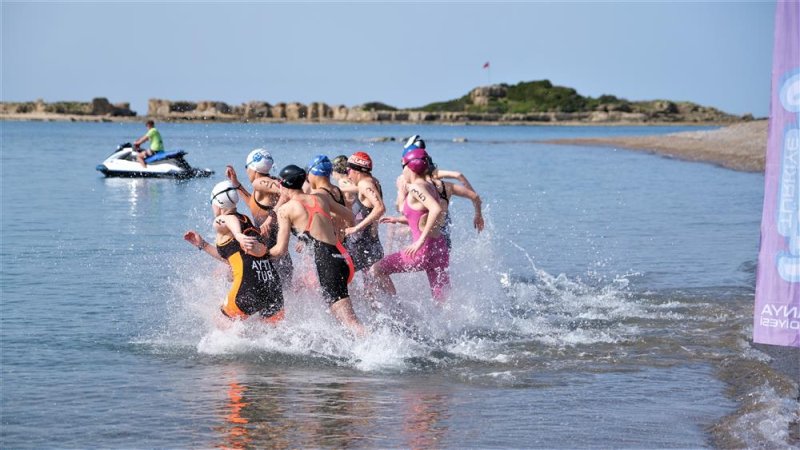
(320, 166)
(413, 143)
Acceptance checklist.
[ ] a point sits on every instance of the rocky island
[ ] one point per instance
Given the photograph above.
(533, 102)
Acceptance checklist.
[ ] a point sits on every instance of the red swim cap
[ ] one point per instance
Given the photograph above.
(360, 161)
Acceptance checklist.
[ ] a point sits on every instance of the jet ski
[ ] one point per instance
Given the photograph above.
(166, 164)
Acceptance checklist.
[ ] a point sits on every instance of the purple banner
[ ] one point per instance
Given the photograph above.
(776, 318)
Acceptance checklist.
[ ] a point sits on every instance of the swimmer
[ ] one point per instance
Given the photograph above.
(345, 185)
(256, 287)
(363, 241)
(263, 202)
(319, 180)
(429, 251)
(445, 189)
(309, 217)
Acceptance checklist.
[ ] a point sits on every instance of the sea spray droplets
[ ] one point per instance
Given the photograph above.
(492, 315)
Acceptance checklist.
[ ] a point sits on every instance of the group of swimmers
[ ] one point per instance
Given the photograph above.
(338, 223)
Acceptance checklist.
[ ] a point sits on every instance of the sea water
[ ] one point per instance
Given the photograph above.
(595, 310)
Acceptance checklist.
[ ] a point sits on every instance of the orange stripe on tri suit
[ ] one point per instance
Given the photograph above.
(229, 308)
(348, 259)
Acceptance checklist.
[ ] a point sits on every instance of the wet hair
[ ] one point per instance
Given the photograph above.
(150, 123)
(431, 166)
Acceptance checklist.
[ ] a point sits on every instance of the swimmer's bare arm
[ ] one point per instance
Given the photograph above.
(267, 185)
(434, 210)
(402, 192)
(230, 172)
(394, 219)
(463, 191)
(281, 200)
(249, 244)
(453, 175)
(370, 191)
(347, 186)
(284, 228)
(195, 239)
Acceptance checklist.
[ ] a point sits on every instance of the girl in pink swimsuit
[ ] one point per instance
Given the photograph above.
(429, 251)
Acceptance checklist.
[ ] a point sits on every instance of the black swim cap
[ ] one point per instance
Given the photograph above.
(292, 177)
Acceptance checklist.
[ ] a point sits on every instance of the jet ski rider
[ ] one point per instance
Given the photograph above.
(156, 144)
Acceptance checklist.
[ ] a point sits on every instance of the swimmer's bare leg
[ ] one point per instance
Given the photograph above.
(382, 280)
(370, 284)
(344, 313)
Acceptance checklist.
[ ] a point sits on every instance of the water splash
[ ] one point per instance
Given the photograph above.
(494, 315)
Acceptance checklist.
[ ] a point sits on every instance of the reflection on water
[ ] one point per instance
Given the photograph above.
(425, 419)
(133, 191)
(281, 413)
(142, 206)
(234, 432)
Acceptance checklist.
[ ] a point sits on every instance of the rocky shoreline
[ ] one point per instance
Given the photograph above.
(527, 103)
(739, 146)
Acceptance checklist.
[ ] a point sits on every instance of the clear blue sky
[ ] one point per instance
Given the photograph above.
(404, 54)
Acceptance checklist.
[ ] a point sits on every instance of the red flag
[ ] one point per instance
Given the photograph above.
(486, 65)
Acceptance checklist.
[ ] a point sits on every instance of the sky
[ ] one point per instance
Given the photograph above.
(404, 54)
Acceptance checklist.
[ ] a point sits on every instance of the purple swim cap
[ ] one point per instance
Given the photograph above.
(417, 161)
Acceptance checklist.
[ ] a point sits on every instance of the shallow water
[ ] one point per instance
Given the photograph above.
(591, 312)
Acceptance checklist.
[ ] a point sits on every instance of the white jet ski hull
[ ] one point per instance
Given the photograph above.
(123, 163)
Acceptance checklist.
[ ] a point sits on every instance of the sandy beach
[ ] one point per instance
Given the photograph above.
(739, 147)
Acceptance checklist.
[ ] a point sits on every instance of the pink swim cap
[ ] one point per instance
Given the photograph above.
(417, 161)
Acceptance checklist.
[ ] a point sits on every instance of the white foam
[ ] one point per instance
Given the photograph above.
(488, 309)
(748, 352)
(767, 425)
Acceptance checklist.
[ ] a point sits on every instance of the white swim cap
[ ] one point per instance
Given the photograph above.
(224, 195)
(259, 160)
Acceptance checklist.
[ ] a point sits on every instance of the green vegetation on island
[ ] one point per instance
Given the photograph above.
(377, 106)
(543, 97)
